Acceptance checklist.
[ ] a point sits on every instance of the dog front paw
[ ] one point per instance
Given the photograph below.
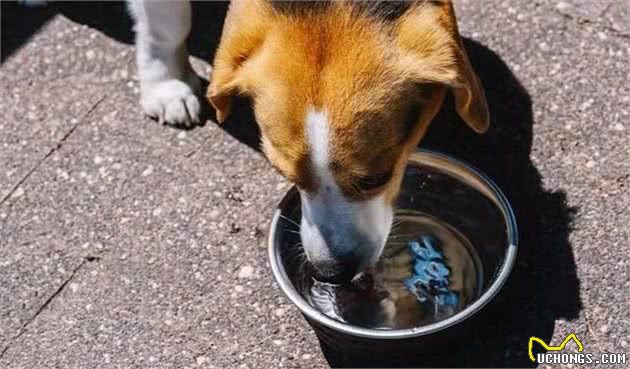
(172, 101)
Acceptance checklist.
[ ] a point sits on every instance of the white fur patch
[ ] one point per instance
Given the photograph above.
(168, 85)
(317, 134)
(328, 209)
(374, 218)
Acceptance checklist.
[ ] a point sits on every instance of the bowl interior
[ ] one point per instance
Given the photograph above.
(433, 184)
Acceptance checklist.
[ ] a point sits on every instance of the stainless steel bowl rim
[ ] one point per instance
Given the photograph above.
(285, 284)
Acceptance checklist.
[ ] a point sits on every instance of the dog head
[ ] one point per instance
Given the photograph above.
(342, 97)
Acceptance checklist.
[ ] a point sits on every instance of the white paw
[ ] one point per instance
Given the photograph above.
(171, 101)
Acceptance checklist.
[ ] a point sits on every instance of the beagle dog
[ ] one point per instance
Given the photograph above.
(343, 91)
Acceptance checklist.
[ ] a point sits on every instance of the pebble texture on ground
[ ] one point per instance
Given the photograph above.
(126, 244)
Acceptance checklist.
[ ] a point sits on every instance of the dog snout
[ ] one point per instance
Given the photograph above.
(336, 271)
(342, 238)
(342, 254)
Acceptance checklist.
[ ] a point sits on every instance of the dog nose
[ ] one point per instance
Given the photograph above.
(336, 272)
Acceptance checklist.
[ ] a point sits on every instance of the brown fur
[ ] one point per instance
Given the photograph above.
(379, 81)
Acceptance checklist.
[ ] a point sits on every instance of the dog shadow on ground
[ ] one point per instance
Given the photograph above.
(543, 287)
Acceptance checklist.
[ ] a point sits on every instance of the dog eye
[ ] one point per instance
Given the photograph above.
(369, 183)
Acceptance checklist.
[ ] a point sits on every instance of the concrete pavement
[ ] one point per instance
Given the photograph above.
(125, 244)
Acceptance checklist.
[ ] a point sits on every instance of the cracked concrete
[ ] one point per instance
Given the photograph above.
(51, 152)
(47, 302)
(126, 244)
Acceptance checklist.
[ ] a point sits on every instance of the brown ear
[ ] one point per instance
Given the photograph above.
(434, 52)
(243, 33)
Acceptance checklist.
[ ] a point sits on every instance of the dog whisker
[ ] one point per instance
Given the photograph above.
(290, 220)
(396, 236)
(396, 224)
(299, 257)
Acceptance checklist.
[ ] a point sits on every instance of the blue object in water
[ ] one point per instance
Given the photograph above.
(430, 276)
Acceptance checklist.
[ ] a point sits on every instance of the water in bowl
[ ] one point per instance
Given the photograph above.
(428, 272)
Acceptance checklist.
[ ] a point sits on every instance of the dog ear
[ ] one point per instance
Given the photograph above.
(243, 33)
(433, 52)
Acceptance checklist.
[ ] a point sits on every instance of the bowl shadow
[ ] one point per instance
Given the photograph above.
(543, 286)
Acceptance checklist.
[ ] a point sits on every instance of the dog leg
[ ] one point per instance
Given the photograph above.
(168, 85)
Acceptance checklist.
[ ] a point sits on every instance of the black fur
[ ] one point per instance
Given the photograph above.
(385, 10)
(290, 7)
